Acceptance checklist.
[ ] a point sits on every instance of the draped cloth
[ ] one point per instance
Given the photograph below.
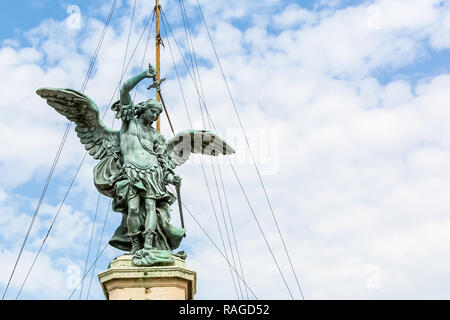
(124, 182)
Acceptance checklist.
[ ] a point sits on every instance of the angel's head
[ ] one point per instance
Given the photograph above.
(149, 110)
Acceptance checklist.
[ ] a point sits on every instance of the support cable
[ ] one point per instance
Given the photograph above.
(84, 157)
(98, 199)
(224, 222)
(195, 69)
(99, 246)
(251, 153)
(201, 227)
(61, 145)
(232, 229)
(145, 53)
(215, 245)
(186, 28)
(85, 274)
(254, 215)
(201, 161)
(128, 39)
(90, 242)
(192, 57)
(191, 42)
(50, 228)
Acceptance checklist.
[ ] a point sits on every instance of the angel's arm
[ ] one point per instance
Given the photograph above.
(125, 97)
(124, 108)
(170, 177)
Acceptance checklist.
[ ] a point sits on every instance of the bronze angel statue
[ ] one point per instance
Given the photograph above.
(136, 165)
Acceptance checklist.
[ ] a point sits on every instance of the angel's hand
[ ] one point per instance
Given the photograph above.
(151, 72)
(156, 84)
(176, 180)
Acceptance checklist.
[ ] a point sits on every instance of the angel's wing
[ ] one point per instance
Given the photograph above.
(186, 142)
(82, 110)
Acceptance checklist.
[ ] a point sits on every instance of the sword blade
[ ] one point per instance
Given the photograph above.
(180, 206)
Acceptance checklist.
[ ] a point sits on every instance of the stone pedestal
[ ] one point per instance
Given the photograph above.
(123, 281)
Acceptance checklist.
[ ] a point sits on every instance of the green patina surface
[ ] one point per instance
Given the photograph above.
(136, 165)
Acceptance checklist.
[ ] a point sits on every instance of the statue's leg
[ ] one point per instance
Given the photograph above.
(133, 223)
(150, 223)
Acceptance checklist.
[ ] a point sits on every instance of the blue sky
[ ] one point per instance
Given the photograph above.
(23, 15)
(353, 93)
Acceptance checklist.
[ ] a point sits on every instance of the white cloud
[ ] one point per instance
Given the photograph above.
(46, 281)
(294, 15)
(362, 164)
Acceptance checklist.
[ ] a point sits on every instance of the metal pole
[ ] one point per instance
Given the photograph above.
(158, 66)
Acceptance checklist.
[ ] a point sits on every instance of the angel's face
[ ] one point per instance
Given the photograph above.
(150, 115)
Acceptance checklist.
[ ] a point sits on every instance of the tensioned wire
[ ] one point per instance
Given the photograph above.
(110, 202)
(251, 153)
(99, 246)
(61, 145)
(201, 161)
(83, 162)
(212, 203)
(84, 157)
(262, 184)
(144, 56)
(235, 173)
(122, 76)
(129, 36)
(112, 128)
(215, 245)
(197, 78)
(240, 184)
(90, 241)
(204, 231)
(227, 260)
(196, 69)
(165, 21)
(86, 273)
(193, 60)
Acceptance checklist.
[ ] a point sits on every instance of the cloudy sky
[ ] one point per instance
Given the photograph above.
(346, 108)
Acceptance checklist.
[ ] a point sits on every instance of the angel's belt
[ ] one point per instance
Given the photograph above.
(131, 165)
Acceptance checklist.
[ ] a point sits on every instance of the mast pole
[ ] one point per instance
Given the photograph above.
(158, 66)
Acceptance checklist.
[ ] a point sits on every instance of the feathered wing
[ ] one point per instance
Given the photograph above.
(98, 140)
(186, 142)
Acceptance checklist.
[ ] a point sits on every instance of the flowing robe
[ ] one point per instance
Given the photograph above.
(123, 181)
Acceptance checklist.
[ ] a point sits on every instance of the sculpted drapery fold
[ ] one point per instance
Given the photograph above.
(136, 165)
